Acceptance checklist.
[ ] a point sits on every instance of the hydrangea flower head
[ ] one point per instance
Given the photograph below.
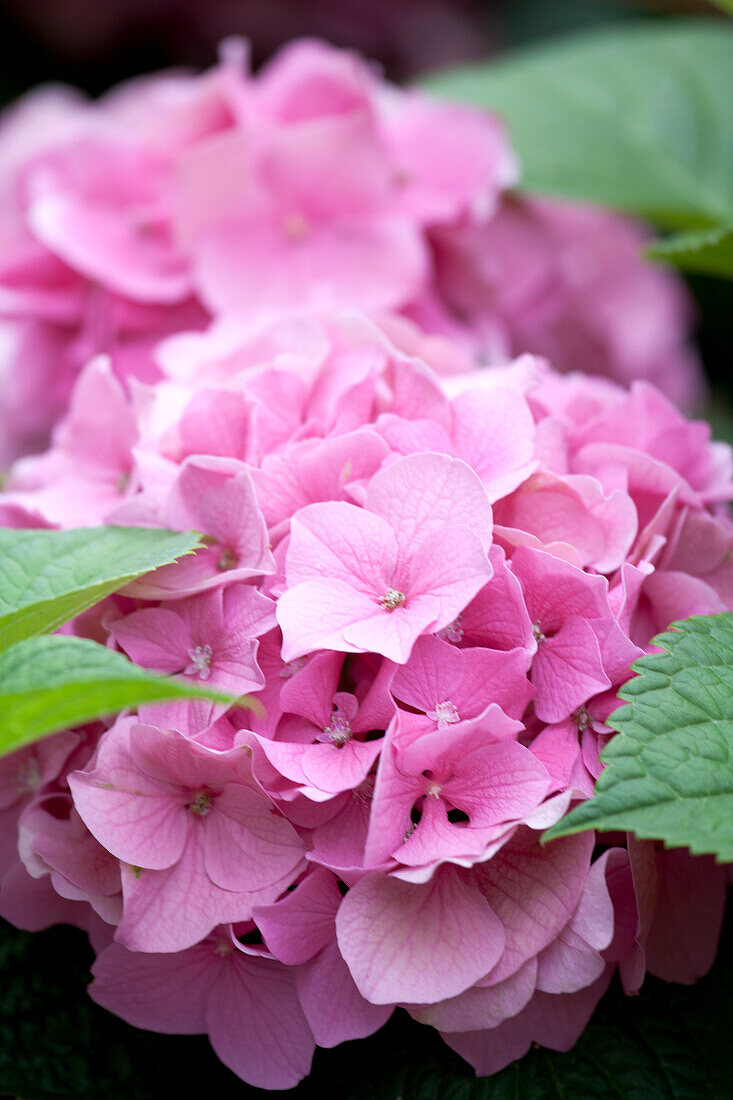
(312, 184)
(433, 578)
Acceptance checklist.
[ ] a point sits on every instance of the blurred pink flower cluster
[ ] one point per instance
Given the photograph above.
(432, 581)
(177, 200)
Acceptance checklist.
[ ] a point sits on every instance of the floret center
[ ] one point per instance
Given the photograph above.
(392, 599)
(200, 804)
(339, 731)
(200, 662)
(445, 714)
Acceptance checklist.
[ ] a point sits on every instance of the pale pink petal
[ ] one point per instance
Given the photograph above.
(420, 494)
(340, 542)
(482, 1006)
(403, 942)
(493, 430)
(346, 263)
(248, 845)
(450, 566)
(320, 614)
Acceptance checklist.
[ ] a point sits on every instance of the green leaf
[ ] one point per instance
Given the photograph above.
(50, 683)
(669, 773)
(707, 251)
(637, 117)
(724, 5)
(48, 577)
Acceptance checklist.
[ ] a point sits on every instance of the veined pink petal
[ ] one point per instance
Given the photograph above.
(340, 542)
(256, 1025)
(482, 1006)
(301, 923)
(420, 494)
(160, 992)
(334, 1007)
(173, 909)
(248, 846)
(417, 943)
(144, 829)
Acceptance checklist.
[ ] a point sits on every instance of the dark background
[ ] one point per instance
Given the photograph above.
(95, 43)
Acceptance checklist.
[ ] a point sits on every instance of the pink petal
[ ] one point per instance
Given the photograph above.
(450, 566)
(684, 933)
(301, 923)
(420, 494)
(164, 993)
(332, 769)
(256, 1025)
(143, 828)
(248, 846)
(421, 943)
(493, 431)
(497, 783)
(321, 614)
(340, 542)
(534, 891)
(155, 637)
(333, 1006)
(107, 249)
(369, 264)
(567, 670)
(556, 1022)
(482, 1006)
(172, 910)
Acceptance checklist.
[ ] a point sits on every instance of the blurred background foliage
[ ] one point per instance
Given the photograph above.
(53, 1041)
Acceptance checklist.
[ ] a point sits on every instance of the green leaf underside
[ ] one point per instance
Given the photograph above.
(706, 251)
(50, 683)
(635, 117)
(669, 773)
(48, 577)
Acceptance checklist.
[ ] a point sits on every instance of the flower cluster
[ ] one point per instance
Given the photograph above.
(431, 581)
(177, 199)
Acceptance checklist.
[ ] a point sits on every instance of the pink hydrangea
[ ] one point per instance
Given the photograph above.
(175, 200)
(433, 580)
(565, 280)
